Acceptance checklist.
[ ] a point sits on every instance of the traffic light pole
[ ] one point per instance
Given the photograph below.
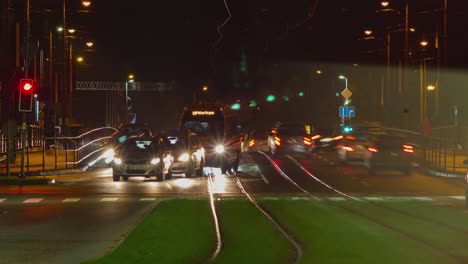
(26, 73)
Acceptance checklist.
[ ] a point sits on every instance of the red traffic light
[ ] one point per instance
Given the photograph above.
(26, 85)
(25, 95)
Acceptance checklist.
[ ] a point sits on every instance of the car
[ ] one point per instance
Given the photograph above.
(352, 147)
(288, 138)
(189, 155)
(142, 156)
(255, 140)
(326, 139)
(388, 152)
(123, 133)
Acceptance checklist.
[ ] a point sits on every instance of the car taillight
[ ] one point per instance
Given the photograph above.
(338, 137)
(408, 148)
(277, 141)
(315, 137)
(351, 137)
(348, 149)
(373, 149)
(307, 141)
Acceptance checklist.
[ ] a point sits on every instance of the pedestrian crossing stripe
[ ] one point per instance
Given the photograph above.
(110, 199)
(71, 200)
(33, 200)
(147, 199)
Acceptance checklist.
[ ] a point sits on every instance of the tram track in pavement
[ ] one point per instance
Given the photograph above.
(375, 219)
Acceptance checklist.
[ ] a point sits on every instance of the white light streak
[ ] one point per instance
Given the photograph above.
(224, 23)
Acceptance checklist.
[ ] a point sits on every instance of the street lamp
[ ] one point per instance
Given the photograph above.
(131, 78)
(342, 77)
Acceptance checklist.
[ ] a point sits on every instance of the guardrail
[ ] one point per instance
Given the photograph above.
(52, 153)
(444, 155)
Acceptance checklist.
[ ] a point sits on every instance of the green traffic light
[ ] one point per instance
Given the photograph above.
(271, 98)
(347, 129)
(253, 103)
(235, 106)
(337, 94)
(285, 98)
(301, 93)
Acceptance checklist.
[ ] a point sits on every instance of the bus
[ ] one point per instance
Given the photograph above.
(220, 136)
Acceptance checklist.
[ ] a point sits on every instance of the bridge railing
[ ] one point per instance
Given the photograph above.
(444, 155)
(52, 153)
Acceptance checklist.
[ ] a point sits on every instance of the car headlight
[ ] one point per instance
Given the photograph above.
(108, 155)
(184, 157)
(155, 161)
(219, 149)
(118, 161)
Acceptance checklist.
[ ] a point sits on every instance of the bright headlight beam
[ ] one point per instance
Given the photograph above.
(219, 149)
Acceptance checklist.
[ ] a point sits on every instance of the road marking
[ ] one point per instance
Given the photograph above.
(71, 200)
(147, 199)
(33, 200)
(336, 199)
(423, 198)
(110, 199)
(2, 199)
(458, 197)
(373, 198)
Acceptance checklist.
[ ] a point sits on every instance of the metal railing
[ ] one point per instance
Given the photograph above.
(444, 155)
(52, 153)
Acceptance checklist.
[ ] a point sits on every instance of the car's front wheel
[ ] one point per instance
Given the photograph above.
(189, 169)
(115, 178)
(199, 171)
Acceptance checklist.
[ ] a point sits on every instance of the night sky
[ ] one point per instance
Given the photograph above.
(179, 41)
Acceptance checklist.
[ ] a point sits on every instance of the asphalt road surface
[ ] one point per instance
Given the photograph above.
(82, 216)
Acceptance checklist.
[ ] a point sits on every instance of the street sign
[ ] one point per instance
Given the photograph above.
(347, 111)
(346, 93)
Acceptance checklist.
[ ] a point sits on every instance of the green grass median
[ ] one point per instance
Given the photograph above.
(181, 231)
(248, 236)
(330, 234)
(176, 231)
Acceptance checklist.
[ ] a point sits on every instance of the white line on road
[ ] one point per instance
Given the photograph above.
(2, 199)
(147, 199)
(33, 200)
(110, 199)
(71, 200)
(458, 197)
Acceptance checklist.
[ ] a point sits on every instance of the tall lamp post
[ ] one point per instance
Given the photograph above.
(131, 78)
(342, 77)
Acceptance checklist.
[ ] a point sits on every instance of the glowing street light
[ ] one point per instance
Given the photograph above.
(205, 88)
(431, 87)
(59, 29)
(342, 77)
(71, 30)
(86, 3)
(89, 44)
(424, 43)
(79, 59)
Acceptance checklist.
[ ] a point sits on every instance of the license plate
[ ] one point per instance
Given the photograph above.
(136, 167)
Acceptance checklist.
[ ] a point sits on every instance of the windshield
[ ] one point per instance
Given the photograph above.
(205, 127)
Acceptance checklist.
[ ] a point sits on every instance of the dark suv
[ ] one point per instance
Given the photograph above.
(390, 152)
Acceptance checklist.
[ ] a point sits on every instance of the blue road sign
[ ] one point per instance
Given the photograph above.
(347, 111)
